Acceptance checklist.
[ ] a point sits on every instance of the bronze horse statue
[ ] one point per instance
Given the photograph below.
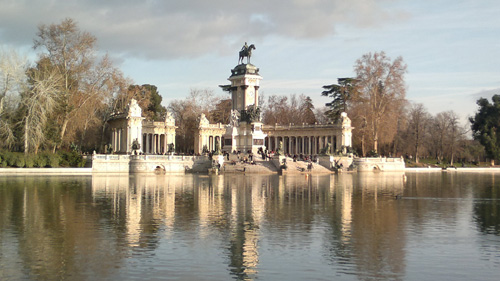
(246, 53)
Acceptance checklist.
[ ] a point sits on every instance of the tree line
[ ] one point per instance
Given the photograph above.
(64, 98)
(387, 124)
(62, 101)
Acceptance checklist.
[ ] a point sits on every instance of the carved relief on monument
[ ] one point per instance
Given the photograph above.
(235, 118)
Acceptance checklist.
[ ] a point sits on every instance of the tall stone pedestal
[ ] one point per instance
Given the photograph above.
(246, 137)
(244, 133)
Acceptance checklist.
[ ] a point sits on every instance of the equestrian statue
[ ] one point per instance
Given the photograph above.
(246, 51)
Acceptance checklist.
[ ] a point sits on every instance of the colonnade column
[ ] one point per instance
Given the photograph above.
(113, 138)
(119, 137)
(309, 143)
(165, 144)
(117, 140)
(153, 144)
(289, 145)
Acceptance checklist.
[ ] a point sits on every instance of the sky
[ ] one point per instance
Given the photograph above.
(451, 48)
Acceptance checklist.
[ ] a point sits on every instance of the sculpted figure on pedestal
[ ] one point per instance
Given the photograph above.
(246, 51)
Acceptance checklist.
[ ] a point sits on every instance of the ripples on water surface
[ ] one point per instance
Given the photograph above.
(383, 226)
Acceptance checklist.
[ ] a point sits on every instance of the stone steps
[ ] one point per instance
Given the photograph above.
(262, 166)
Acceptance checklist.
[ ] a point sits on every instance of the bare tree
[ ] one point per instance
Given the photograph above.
(380, 93)
(285, 110)
(320, 114)
(187, 112)
(440, 130)
(222, 112)
(418, 125)
(84, 78)
(448, 136)
(37, 103)
(456, 136)
(118, 85)
(275, 111)
(12, 83)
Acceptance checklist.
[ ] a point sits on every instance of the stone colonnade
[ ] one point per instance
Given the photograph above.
(156, 143)
(308, 145)
(207, 136)
(129, 128)
(304, 139)
(117, 141)
(156, 137)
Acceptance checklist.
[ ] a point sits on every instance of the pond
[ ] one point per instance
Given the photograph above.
(364, 226)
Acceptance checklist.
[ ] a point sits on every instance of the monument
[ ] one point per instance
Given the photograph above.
(244, 131)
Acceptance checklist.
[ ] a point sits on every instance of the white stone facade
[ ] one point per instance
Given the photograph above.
(310, 139)
(154, 137)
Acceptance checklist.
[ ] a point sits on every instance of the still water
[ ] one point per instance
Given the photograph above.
(383, 226)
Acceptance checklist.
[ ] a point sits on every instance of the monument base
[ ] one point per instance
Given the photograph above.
(245, 138)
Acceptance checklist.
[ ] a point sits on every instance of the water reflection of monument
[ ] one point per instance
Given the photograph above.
(134, 202)
(358, 209)
(59, 228)
(231, 207)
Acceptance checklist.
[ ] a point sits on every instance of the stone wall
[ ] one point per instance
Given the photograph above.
(106, 163)
(149, 163)
(379, 164)
(326, 161)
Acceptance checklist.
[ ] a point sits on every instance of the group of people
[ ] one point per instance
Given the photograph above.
(246, 158)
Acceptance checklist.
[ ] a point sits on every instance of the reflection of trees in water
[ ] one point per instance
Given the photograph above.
(486, 215)
(443, 196)
(365, 226)
(64, 225)
(487, 210)
(57, 237)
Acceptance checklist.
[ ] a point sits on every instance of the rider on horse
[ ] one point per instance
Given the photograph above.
(246, 51)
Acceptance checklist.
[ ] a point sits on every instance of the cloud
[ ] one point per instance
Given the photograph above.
(173, 29)
(487, 94)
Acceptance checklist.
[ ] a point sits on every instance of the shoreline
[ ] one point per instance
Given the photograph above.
(457, 169)
(46, 171)
(88, 171)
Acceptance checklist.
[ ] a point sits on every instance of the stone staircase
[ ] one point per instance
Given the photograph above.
(301, 167)
(233, 165)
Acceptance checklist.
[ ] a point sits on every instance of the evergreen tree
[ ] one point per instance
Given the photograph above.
(485, 125)
(157, 110)
(341, 94)
(307, 111)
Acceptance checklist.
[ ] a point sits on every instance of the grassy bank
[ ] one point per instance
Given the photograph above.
(434, 163)
(41, 160)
